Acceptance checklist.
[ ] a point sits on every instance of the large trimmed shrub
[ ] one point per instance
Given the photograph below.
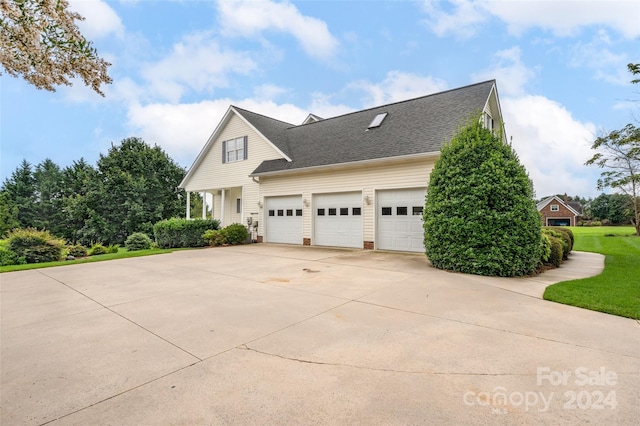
(171, 233)
(138, 241)
(480, 216)
(35, 246)
(236, 233)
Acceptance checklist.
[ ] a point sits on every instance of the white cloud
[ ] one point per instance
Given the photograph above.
(197, 63)
(182, 129)
(100, 19)
(509, 71)
(249, 17)
(322, 106)
(597, 56)
(563, 18)
(552, 145)
(462, 21)
(268, 91)
(398, 86)
(566, 17)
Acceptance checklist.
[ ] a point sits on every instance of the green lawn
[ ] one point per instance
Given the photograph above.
(617, 289)
(122, 254)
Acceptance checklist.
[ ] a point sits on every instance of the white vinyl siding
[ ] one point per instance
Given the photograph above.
(211, 175)
(366, 178)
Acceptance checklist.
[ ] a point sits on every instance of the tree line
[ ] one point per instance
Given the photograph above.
(130, 188)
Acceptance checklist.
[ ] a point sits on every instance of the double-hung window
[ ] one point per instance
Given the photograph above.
(234, 150)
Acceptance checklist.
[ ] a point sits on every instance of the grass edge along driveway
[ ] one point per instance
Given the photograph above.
(617, 289)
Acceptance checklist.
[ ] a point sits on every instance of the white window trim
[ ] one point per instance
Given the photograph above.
(234, 150)
(554, 208)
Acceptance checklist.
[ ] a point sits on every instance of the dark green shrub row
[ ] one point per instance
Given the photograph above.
(556, 252)
(172, 233)
(561, 240)
(35, 246)
(138, 241)
(236, 233)
(563, 236)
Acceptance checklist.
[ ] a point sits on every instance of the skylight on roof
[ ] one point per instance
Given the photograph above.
(377, 121)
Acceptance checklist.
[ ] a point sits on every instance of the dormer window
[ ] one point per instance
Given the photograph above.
(234, 150)
(377, 120)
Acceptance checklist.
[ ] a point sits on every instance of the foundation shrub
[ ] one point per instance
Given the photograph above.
(173, 233)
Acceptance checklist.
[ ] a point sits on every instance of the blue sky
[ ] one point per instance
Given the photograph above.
(177, 66)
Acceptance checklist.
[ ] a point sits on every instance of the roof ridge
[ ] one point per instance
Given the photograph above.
(493, 80)
(261, 115)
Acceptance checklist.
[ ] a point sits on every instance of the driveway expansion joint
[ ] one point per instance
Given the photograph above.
(121, 316)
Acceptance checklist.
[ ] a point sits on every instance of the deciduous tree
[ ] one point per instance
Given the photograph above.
(618, 152)
(40, 42)
(138, 186)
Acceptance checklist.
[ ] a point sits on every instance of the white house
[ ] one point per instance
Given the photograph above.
(357, 180)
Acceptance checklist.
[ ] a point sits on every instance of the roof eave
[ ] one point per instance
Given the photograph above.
(373, 161)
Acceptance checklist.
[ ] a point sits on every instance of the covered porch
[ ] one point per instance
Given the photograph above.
(226, 204)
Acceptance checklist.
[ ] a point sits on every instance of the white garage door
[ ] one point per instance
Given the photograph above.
(399, 219)
(338, 219)
(284, 219)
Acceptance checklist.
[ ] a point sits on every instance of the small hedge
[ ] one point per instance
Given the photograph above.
(173, 233)
(564, 238)
(545, 249)
(213, 237)
(138, 241)
(556, 252)
(35, 246)
(78, 250)
(98, 249)
(236, 233)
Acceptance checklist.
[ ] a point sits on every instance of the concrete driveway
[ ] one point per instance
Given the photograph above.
(267, 334)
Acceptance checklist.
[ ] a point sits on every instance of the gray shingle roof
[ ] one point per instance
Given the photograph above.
(411, 127)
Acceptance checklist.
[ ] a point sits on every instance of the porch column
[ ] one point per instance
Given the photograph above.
(242, 205)
(204, 205)
(222, 205)
(188, 204)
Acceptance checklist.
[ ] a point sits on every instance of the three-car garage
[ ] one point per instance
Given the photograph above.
(337, 219)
